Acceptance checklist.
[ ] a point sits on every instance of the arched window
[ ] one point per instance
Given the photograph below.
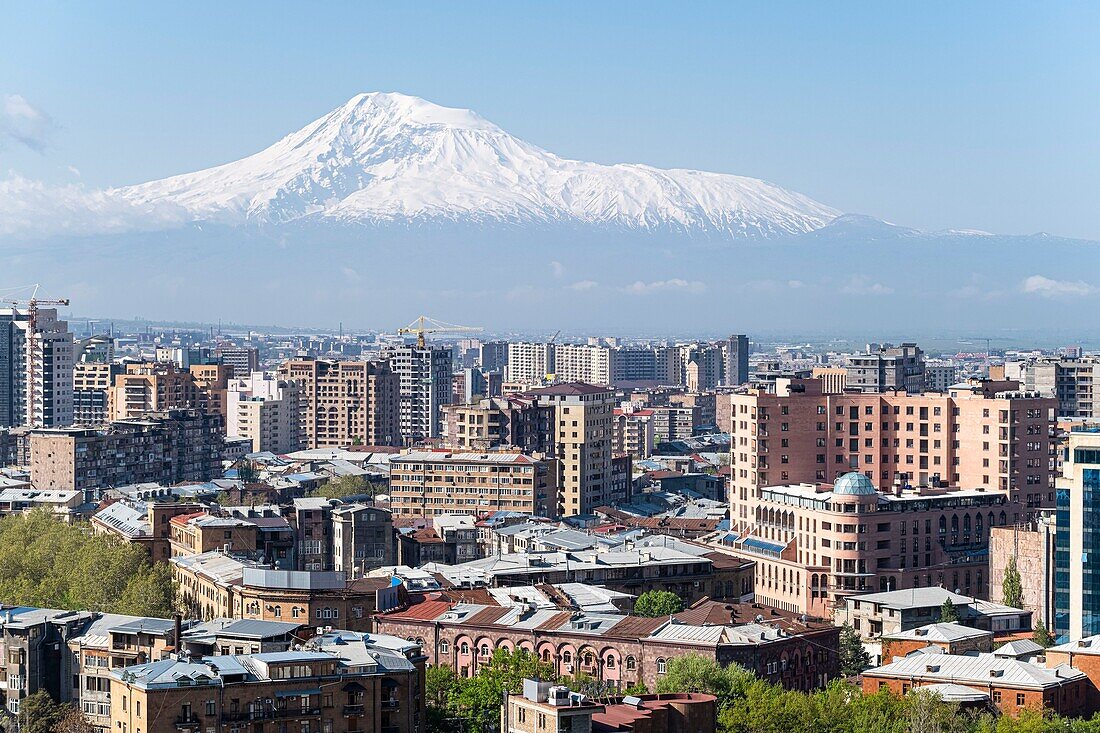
(278, 611)
(662, 667)
(610, 663)
(444, 646)
(295, 612)
(567, 656)
(631, 664)
(484, 651)
(465, 648)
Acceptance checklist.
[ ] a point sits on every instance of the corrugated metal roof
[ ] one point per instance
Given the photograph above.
(977, 669)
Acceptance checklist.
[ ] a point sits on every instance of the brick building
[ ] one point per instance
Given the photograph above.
(616, 649)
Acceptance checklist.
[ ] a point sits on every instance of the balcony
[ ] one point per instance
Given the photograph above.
(188, 722)
(391, 705)
(353, 710)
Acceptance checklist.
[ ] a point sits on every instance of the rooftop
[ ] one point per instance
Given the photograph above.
(978, 669)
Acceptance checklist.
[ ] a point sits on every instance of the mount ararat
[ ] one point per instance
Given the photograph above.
(390, 205)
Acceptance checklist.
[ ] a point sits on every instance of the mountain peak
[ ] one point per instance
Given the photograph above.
(385, 157)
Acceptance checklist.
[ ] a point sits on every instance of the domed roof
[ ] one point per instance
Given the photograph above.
(853, 484)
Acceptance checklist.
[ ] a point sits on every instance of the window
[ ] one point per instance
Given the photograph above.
(631, 664)
(662, 666)
(1021, 699)
(444, 646)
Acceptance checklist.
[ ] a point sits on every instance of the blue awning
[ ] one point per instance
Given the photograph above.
(297, 693)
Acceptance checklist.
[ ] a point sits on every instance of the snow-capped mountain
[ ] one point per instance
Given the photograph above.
(391, 158)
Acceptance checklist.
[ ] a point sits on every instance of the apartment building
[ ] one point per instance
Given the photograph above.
(702, 366)
(265, 409)
(736, 353)
(34, 655)
(212, 381)
(340, 682)
(345, 402)
(430, 483)
(885, 367)
(816, 544)
(634, 432)
(166, 447)
(980, 435)
(146, 524)
(240, 360)
(582, 363)
(36, 369)
(583, 433)
(424, 376)
(1070, 381)
(194, 534)
(150, 386)
(362, 539)
(940, 377)
(529, 363)
(92, 382)
(515, 421)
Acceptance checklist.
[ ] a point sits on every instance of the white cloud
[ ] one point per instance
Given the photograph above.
(74, 170)
(583, 285)
(861, 285)
(676, 284)
(24, 123)
(1049, 288)
(795, 284)
(557, 268)
(350, 274)
(33, 208)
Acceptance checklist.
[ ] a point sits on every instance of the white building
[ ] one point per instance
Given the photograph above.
(577, 363)
(529, 363)
(36, 370)
(264, 409)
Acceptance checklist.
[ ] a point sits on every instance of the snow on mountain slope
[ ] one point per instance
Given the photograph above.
(394, 158)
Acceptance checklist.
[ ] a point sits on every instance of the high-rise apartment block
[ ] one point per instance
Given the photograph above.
(885, 367)
(345, 402)
(529, 363)
(1069, 380)
(92, 382)
(982, 435)
(582, 363)
(163, 385)
(940, 377)
(493, 356)
(36, 369)
(737, 360)
(424, 375)
(583, 434)
(241, 360)
(265, 409)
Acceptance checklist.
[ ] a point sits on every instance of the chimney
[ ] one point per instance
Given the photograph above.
(178, 636)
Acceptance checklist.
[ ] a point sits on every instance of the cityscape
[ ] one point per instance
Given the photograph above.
(388, 419)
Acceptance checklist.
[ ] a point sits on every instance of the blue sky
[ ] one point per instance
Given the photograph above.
(927, 114)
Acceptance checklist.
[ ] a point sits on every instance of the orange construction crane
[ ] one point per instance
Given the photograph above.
(425, 325)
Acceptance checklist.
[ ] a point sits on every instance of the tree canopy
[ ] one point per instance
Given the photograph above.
(343, 487)
(948, 613)
(853, 657)
(654, 603)
(47, 563)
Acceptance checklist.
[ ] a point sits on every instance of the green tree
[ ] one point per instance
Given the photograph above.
(695, 673)
(47, 563)
(38, 713)
(1041, 635)
(654, 603)
(638, 688)
(948, 613)
(477, 699)
(1011, 585)
(853, 657)
(440, 683)
(342, 488)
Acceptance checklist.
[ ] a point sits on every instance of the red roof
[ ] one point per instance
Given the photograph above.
(185, 518)
(426, 611)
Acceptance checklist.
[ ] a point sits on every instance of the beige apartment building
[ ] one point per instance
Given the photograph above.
(983, 435)
(345, 402)
(583, 432)
(582, 363)
(515, 421)
(429, 483)
(92, 383)
(153, 386)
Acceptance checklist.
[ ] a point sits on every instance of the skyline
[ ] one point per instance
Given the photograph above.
(974, 136)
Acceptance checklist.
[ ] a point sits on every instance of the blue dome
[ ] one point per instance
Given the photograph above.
(854, 484)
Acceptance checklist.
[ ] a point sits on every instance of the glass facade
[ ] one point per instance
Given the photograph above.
(1061, 563)
(1090, 537)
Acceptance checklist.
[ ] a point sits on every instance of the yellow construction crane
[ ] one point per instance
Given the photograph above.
(425, 325)
(32, 343)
